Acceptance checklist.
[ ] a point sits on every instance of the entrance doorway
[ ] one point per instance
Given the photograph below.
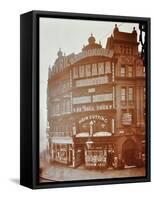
(129, 152)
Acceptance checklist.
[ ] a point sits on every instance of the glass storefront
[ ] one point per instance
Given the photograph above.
(99, 156)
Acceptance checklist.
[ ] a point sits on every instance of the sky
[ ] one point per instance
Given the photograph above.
(70, 36)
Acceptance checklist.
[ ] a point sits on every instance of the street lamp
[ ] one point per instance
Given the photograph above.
(89, 142)
(91, 127)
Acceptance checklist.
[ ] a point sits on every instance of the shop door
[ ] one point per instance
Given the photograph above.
(129, 152)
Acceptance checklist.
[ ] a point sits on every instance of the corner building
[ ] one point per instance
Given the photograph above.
(96, 104)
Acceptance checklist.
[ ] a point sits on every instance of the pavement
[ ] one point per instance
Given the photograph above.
(57, 172)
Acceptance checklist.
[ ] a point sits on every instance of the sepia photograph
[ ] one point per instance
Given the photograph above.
(92, 100)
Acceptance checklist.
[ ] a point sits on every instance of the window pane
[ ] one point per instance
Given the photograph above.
(130, 94)
(107, 67)
(88, 70)
(94, 69)
(123, 94)
(123, 70)
(75, 72)
(130, 71)
(100, 68)
(81, 71)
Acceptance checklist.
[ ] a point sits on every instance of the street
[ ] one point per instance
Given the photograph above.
(59, 172)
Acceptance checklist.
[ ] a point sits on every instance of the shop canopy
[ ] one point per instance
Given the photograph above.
(102, 133)
(83, 134)
(62, 140)
(97, 134)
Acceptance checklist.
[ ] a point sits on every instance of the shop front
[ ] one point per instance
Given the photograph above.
(98, 152)
(61, 150)
(94, 138)
(129, 152)
(99, 156)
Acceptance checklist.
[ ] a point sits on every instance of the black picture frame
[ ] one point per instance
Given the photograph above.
(29, 98)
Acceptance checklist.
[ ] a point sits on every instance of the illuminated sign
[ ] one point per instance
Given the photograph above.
(93, 117)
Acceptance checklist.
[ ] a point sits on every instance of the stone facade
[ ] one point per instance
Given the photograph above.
(96, 104)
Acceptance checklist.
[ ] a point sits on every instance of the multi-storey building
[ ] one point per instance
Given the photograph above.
(96, 104)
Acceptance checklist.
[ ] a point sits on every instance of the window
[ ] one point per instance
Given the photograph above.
(94, 69)
(123, 71)
(107, 67)
(64, 107)
(75, 72)
(81, 100)
(57, 108)
(67, 106)
(81, 71)
(127, 50)
(130, 71)
(92, 81)
(132, 115)
(100, 68)
(88, 70)
(102, 97)
(130, 94)
(123, 94)
(144, 90)
(121, 49)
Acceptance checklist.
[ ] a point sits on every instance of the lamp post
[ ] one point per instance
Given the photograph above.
(91, 127)
(89, 142)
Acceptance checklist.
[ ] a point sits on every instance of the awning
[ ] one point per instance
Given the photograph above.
(62, 140)
(83, 134)
(102, 133)
(97, 134)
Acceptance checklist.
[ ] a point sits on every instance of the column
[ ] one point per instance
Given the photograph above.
(113, 97)
(73, 155)
(113, 126)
